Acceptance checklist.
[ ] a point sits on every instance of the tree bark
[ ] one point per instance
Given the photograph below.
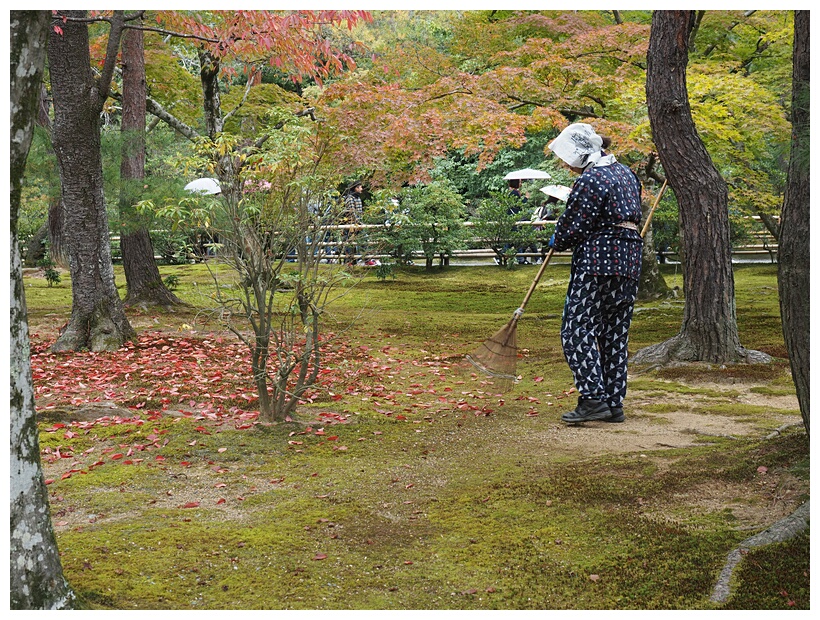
(36, 246)
(36, 574)
(793, 256)
(143, 281)
(652, 285)
(209, 79)
(709, 329)
(98, 321)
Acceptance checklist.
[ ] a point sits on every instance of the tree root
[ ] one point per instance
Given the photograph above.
(783, 530)
(680, 349)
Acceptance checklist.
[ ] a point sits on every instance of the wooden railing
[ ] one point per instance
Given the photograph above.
(763, 245)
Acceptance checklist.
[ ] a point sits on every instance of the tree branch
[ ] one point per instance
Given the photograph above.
(712, 47)
(242, 101)
(172, 33)
(111, 53)
(651, 172)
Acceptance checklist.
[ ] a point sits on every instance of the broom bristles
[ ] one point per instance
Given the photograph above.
(497, 355)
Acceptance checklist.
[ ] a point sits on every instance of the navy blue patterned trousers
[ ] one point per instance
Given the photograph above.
(595, 334)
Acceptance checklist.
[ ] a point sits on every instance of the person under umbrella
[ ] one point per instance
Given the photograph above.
(600, 224)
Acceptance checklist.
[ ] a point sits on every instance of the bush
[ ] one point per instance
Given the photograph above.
(497, 225)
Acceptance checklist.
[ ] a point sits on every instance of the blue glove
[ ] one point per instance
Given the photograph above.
(551, 242)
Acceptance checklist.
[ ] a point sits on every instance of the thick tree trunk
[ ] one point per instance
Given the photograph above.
(793, 258)
(709, 329)
(97, 321)
(36, 575)
(144, 283)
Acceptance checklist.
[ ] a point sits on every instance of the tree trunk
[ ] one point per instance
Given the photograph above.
(36, 575)
(709, 329)
(36, 246)
(793, 257)
(97, 321)
(652, 285)
(144, 283)
(209, 79)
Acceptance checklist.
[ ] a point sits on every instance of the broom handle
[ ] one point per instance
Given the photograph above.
(534, 283)
(652, 210)
(549, 256)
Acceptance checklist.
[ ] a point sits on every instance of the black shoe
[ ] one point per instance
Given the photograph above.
(588, 409)
(617, 414)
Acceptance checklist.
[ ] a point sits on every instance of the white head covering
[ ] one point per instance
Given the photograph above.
(579, 146)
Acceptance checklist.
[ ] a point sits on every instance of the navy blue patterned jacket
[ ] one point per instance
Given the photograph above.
(601, 198)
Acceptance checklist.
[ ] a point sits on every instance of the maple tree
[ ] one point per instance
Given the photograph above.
(258, 229)
(273, 241)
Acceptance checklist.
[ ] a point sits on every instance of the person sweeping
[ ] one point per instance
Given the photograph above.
(600, 223)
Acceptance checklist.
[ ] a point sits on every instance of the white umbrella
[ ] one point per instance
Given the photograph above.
(561, 192)
(527, 173)
(204, 186)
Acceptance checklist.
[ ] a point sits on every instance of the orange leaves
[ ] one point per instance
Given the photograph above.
(160, 373)
(289, 40)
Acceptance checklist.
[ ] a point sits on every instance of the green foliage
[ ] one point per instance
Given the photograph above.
(176, 246)
(48, 266)
(749, 155)
(397, 238)
(172, 77)
(171, 282)
(475, 180)
(385, 270)
(497, 222)
(41, 185)
(434, 219)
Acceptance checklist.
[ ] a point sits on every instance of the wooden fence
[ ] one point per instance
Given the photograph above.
(762, 248)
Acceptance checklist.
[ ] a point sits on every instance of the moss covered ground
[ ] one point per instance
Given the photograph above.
(409, 481)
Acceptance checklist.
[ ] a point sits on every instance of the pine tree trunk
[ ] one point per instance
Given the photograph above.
(97, 321)
(709, 328)
(36, 574)
(144, 283)
(793, 256)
